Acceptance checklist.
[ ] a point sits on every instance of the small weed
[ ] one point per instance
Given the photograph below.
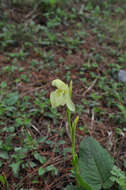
(119, 177)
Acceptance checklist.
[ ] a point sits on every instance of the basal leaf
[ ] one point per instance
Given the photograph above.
(95, 164)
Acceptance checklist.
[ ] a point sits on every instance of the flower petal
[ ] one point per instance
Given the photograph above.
(62, 95)
(59, 84)
(69, 102)
(57, 98)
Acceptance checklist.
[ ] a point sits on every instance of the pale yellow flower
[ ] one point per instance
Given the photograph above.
(61, 95)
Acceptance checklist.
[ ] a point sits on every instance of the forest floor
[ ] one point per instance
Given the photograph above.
(84, 43)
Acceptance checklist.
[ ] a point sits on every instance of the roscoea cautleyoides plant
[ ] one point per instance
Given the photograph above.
(92, 169)
(60, 97)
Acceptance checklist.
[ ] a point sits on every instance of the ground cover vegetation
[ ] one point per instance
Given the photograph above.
(43, 144)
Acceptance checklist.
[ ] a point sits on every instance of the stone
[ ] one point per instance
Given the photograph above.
(122, 76)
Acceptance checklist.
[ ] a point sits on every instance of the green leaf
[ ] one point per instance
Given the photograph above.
(82, 182)
(119, 177)
(41, 171)
(74, 125)
(4, 155)
(52, 168)
(1, 163)
(123, 110)
(95, 164)
(3, 84)
(71, 187)
(12, 98)
(42, 139)
(66, 150)
(40, 158)
(15, 168)
(32, 164)
(52, 2)
(3, 180)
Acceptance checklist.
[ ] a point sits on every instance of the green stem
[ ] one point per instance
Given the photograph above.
(74, 155)
(72, 133)
(69, 122)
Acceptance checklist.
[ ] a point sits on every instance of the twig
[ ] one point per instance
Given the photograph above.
(30, 91)
(92, 119)
(109, 144)
(35, 129)
(33, 11)
(30, 16)
(90, 87)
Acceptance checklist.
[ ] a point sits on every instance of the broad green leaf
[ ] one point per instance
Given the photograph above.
(82, 182)
(95, 164)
